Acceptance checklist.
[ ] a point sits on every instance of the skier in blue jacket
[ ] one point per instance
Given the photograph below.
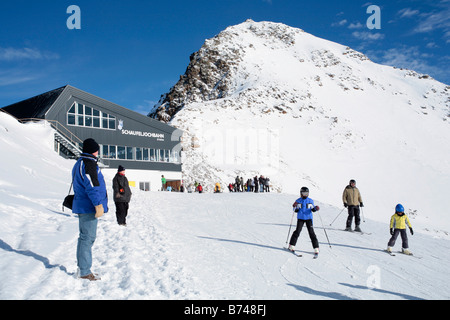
(304, 206)
(90, 203)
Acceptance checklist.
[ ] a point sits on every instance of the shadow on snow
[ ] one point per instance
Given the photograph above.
(28, 253)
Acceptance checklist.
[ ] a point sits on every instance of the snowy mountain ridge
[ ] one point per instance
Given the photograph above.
(266, 55)
(263, 98)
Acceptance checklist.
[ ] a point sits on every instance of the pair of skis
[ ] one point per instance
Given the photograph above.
(360, 232)
(406, 254)
(316, 255)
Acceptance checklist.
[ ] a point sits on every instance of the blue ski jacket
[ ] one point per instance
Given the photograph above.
(304, 208)
(88, 185)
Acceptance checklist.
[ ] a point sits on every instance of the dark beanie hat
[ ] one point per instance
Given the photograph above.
(90, 146)
(120, 169)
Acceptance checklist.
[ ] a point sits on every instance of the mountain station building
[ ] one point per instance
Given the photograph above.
(146, 147)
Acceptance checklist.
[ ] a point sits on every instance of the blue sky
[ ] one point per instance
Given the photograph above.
(131, 52)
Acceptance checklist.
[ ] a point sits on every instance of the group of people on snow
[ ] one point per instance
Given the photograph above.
(352, 200)
(255, 184)
(91, 202)
(194, 187)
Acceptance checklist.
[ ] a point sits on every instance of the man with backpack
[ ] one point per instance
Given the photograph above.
(90, 203)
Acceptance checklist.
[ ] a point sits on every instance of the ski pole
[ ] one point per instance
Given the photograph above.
(324, 229)
(337, 216)
(289, 232)
(362, 213)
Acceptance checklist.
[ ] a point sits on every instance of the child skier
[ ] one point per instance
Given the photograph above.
(399, 220)
(304, 206)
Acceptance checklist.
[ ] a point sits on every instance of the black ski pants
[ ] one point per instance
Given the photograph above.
(312, 235)
(121, 212)
(353, 211)
(404, 236)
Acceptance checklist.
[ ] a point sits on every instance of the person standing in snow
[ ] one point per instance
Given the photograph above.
(352, 201)
(163, 183)
(267, 184)
(122, 195)
(90, 203)
(261, 183)
(399, 221)
(237, 182)
(304, 206)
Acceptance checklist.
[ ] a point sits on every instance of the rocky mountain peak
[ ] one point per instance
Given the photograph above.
(260, 61)
(212, 71)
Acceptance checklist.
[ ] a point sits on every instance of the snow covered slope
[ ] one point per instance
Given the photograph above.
(263, 98)
(191, 246)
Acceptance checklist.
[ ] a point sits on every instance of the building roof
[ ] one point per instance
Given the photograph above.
(39, 106)
(35, 107)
